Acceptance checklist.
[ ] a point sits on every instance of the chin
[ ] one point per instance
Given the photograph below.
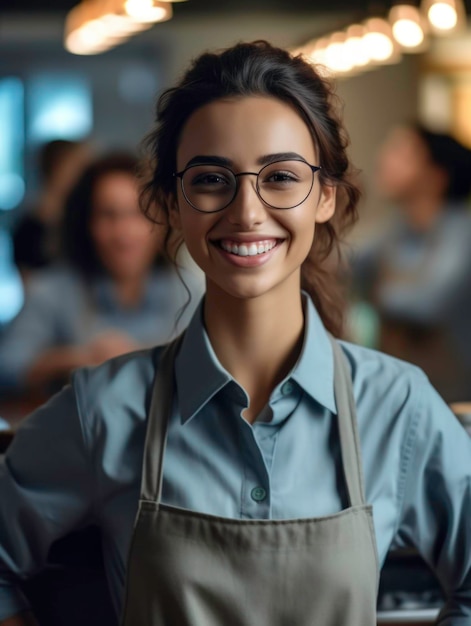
(245, 290)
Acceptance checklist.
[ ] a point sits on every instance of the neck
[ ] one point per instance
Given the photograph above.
(257, 340)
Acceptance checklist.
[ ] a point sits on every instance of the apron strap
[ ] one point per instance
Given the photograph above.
(347, 425)
(157, 421)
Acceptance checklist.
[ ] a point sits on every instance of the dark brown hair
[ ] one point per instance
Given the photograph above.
(260, 69)
(52, 153)
(452, 157)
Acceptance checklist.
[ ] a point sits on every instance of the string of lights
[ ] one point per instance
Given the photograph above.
(94, 26)
(407, 28)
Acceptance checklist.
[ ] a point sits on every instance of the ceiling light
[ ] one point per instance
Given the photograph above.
(94, 26)
(83, 32)
(316, 51)
(378, 40)
(336, 56)
(119, 26)
(444, 15)
(355, 45)
(408, 26)
(148, 10)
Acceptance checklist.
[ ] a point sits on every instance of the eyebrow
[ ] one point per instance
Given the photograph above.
(263, 160)
(280, 156)
(213, 160)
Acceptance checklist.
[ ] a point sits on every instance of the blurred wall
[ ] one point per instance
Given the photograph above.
(374, 102)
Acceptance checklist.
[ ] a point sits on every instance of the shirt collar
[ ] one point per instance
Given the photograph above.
(200, 376)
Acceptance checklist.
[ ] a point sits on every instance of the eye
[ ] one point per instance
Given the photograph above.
(280, 177)
(285, 175)
(207, 180)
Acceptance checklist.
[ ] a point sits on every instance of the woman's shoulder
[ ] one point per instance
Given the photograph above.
(391, 393)
(370, 364)
(116, 392)
(133, 371)
(381, 380)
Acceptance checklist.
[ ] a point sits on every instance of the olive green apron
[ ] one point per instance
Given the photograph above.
(191, 569)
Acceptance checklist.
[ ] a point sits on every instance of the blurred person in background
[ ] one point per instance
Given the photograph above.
(417, 274)
(36, 238)
(114, 294)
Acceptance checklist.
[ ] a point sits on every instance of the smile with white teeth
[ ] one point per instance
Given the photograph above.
(248, 249)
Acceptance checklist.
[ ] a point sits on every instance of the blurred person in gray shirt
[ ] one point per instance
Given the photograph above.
(114, 292)
(417, 274)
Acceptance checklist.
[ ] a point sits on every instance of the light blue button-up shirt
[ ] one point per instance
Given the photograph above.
(78, 459)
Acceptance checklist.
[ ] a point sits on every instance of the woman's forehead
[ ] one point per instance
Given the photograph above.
(245, 128)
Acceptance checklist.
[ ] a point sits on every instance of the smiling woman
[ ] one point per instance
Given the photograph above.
(307, 98)
(249, 470)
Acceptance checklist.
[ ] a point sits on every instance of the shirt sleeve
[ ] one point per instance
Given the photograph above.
(436, 508)
(45, 491)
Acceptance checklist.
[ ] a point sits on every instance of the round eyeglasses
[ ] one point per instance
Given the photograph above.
(209, 188)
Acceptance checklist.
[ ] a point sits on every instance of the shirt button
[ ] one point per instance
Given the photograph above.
(287, 388)
(258, 494)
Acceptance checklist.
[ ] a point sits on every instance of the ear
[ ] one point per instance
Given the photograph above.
(326, 205)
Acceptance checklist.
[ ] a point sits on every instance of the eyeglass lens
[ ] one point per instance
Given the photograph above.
(281, 185)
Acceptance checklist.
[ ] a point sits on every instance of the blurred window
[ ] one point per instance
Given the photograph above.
(56, 106)
(11, 288)
(12, 185)
(59, 107)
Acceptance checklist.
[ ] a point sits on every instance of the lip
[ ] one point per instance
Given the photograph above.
(246, 238)
(247, 261)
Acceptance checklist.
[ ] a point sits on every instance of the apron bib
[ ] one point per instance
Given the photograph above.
(191, 569)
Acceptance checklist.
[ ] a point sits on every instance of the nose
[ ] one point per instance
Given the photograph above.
(247, 209)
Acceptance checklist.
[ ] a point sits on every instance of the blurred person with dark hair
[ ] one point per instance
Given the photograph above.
(115, 292)
(36, 238)
(417, 274)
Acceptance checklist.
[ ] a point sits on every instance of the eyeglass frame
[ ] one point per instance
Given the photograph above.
(314, 169)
